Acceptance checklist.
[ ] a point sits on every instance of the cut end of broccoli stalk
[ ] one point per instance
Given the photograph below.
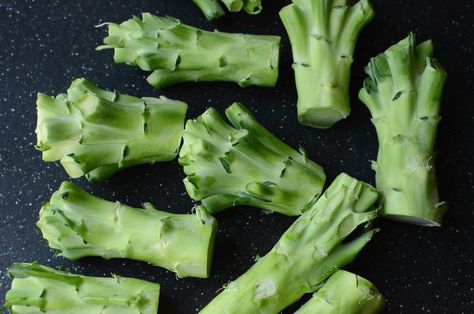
(345, 292)
(323, 35)
(40, 289)
(403, 93)
(79, 224)
(211, 8)
(244, 164)
(96, 133)
(310, 251)
(176, 53)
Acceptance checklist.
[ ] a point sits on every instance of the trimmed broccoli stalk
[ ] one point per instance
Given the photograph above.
(176, 53)
(346, 293)
(308, 252)
(79, 224)
(323, 34)
(253, 6)
(403, 93)
(211, 8)
(40, 289)
(244, 164)
(97, 133)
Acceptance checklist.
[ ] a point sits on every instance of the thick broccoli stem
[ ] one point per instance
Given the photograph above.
(96, 133)
(79, 224)
(244, 164)
(323, 34)
(403, 93)
(307, 253)
(40, 289)
(175, 52)
(346, 293)
(211, 8)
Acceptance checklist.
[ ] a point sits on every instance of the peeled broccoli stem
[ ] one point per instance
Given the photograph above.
(346, 293)
(97, 133)
(244, 164)
(40, 289)
(403, 93)
(323, 34)
(307, 253)
(79, 224)
(176, 53)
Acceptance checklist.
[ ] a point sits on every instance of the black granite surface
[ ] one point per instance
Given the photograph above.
(45, 43)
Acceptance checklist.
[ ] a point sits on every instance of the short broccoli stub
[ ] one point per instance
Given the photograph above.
(403, 93)
(310, 251)
(96, 133)
(40, 289)
(323, 35)
(79, 224)
(244, 164)
(346, 293)
(176, 53)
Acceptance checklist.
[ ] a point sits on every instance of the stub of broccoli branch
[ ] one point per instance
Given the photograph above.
(323, 35)
(310, 251)
(244, 164)
(40, 289)
(403, 93)
(174, 52)
(96, 133)
(79, 225)
(213, 10)
(346, 293)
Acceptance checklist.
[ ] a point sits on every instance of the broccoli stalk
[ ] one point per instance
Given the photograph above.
(403, 93)
(40, 289)
(307, 253)
(346, 293)
(323, 34)
(96, 133)
(176, 53)
(79, 224)
(244, 164)
(211, 8)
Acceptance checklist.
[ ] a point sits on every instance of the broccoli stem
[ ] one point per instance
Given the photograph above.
(40, 289)
(244, 164)
(346, 293)
(323, 34)
(79, 224)
(403, 93)
(97, 133)
(253, 7)
(211, 8)
(176, 53)
(307, 253)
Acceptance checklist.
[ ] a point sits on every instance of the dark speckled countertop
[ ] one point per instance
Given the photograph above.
(44, 44)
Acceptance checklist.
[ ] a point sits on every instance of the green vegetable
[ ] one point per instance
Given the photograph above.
(307, 253)
(79, 224)
(244, 164)
(40, 289)
(403, 93)
(323, 34)
(213, 10)
(96, 133)
(346, 293)
(176, 53)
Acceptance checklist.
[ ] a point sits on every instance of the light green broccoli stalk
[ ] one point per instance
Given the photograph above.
(176, 53)
(346, 293)
(213, 10)
(96, 133)
(323, 34)
(78, 224)
(310, 251)
(244, 164)
(403, 93)
(40, 289)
